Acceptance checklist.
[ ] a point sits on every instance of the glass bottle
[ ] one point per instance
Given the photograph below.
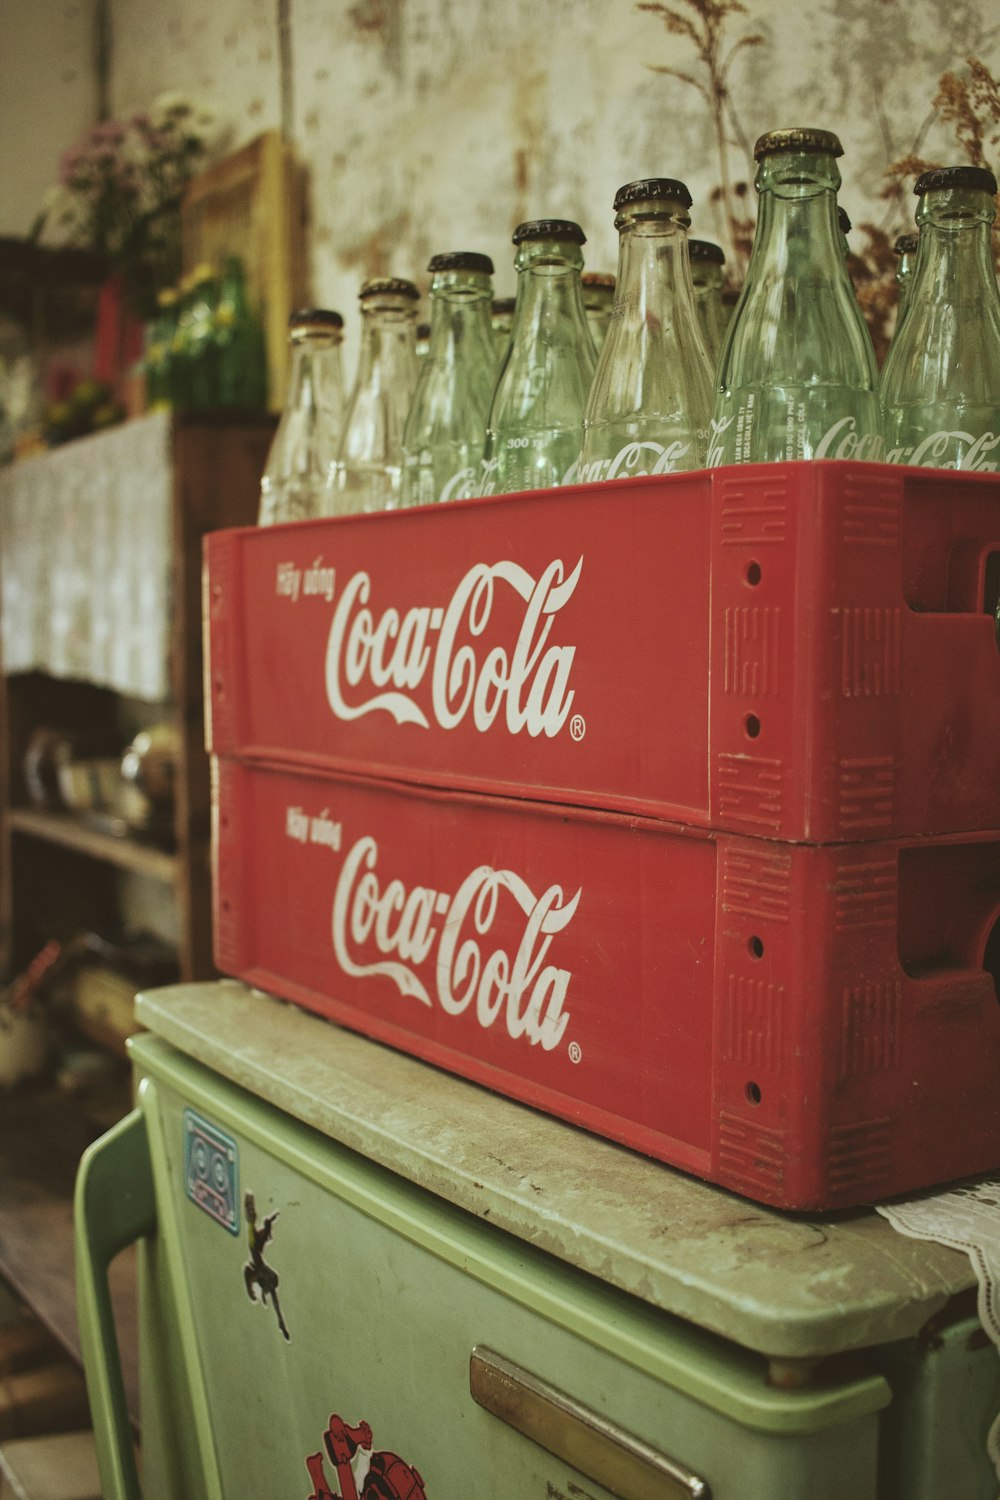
(598, 296)
(535, 425)
(651, 397)
(906, 248)
(798, 377)
(446, 424)
(368, 471)
(423, 339)
(293, 485)
(501, 318)
(941, 382)
(707, 261)
(240, 349)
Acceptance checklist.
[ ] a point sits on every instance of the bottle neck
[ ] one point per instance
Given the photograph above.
(388, 348)
(549, 305)
(461, 314)
(653, 266)
(315, 376)
(954, 262)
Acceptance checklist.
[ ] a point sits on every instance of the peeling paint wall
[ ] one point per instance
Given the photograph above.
(428, 125)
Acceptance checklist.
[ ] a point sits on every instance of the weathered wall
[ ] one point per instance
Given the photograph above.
(438, 124)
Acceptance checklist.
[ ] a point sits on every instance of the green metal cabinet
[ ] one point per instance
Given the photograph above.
(457, 1296)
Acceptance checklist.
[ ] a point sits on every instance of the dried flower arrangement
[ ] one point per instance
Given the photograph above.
(703, 23)
(120, 188)
(970, 103)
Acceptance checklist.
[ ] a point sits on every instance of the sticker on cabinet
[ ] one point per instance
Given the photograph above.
(211, 1171)
(361, 1474)
(258, 1276)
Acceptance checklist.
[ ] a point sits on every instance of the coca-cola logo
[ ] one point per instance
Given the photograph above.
(437, 947)
(952, 449)
(378, 664)
(635, 459)
(843, 440)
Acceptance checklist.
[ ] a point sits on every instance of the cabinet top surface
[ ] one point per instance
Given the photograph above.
(788, 1285)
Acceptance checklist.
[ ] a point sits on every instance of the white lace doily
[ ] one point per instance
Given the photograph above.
(967, 1218)
(85, 560)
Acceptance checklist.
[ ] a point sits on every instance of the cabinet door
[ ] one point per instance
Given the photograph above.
(356, 1337)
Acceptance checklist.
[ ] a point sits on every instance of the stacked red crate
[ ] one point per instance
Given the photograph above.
(671, 807)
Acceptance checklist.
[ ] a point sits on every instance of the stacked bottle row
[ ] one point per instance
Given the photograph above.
(796, 377)
(206, 347)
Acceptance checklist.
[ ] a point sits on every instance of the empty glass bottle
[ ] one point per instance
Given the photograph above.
(798, 377)
(707, 261)
(598, 296)
(367, 474)
(446, 424)
(535, 424)
(293, 486)
(651, 398)
(941, 382)
(906, 248)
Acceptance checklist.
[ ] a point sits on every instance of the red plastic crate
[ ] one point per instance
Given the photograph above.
(812, 1026)
(797, 651)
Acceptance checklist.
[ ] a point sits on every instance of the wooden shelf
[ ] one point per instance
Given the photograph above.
(43, 1133)
(73, 833)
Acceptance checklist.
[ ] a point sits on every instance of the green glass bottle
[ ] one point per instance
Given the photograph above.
(598, 297)
(367, 474)
(941, 382)
(201, 355)
(159, 351)
(651, 397)
(798, 377)
(535, 424)
(707, 261)
(906, 248)
(446, 423)
(240, 348)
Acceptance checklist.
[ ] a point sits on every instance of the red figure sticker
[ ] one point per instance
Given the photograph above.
(361, 1474)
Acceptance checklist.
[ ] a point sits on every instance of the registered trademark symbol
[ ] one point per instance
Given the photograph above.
(575, 1052)
(577, 726)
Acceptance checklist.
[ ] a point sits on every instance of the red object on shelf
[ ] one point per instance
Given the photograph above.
(812, 1026)
(799, 651)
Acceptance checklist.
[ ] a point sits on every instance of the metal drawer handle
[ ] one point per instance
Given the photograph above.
(588, 1442)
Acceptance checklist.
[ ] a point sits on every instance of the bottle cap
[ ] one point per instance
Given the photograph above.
(906, 244)
(314, 317)
(705, 250)
(843, 219)
(955, 177)
(652, 187)
(461, 260)
(798, 138)
(549, 229)
(597, 279)
(503, 305)
(380, 286)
